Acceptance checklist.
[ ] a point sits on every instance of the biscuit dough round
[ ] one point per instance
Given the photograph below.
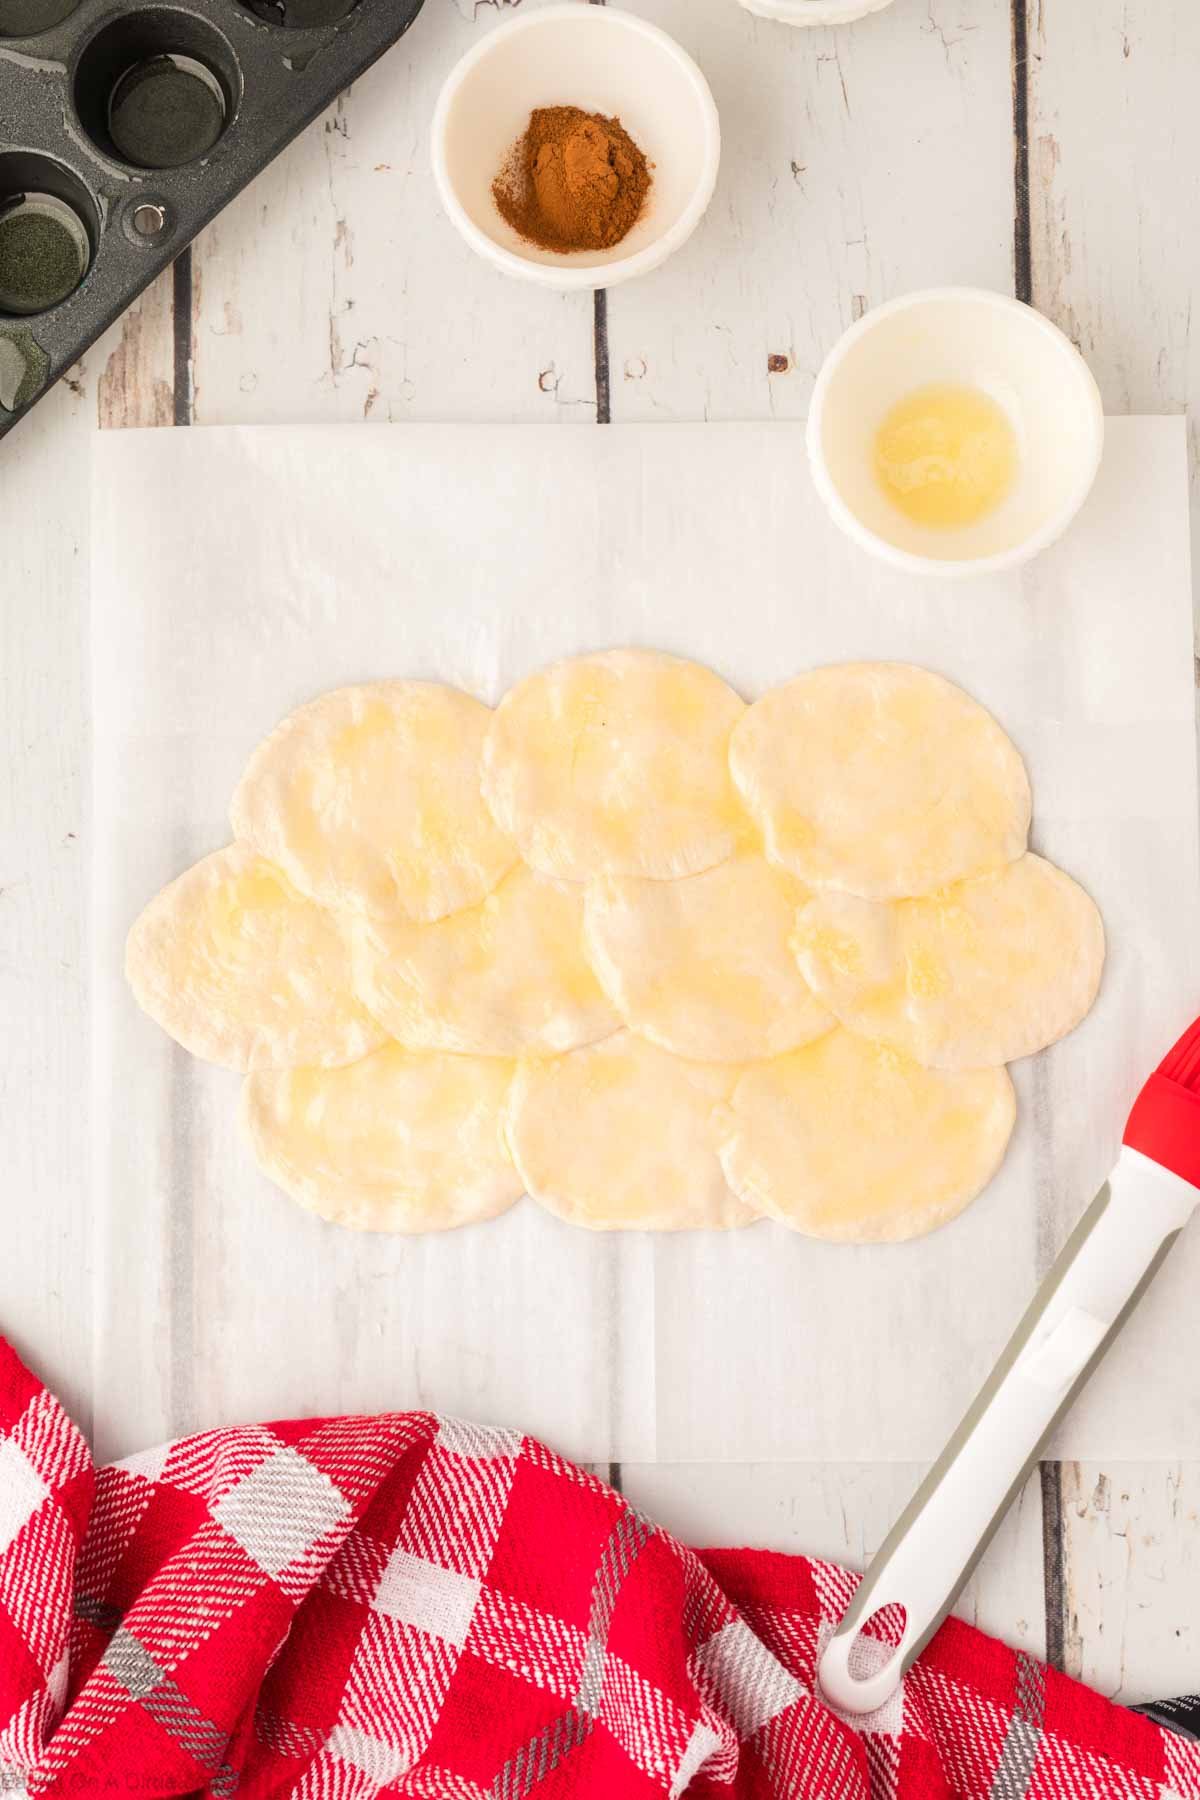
(616, 763)
(370, 798)
(983, 972)
(880, 779)
(622, 1135)
(850, 1140)
(403, 1141)
(704, 966)
(244, 971)
(506, 977)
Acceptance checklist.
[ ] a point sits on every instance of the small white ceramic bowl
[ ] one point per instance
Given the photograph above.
(978, 339)
(814, 12)
(602, 60)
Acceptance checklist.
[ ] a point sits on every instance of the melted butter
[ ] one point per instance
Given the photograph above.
(946, 455)
(925, 975)
(247, 909)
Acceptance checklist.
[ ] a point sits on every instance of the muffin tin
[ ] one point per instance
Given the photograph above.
(124, 130)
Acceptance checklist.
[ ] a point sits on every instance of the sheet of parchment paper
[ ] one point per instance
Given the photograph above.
(238, 572)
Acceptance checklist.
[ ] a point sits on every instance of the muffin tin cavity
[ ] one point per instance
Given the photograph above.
(48, 232)
(29, 18)
(157, 89)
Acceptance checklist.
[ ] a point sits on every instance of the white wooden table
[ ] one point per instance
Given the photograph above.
(1052, 150)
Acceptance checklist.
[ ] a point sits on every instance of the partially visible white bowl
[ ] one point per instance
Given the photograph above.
(814, 12)
(604, 61)
(979, 339)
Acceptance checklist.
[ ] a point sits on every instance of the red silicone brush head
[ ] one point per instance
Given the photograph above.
(1182, 1063)
(1165, 1121)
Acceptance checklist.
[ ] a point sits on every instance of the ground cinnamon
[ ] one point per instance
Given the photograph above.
(573, 181)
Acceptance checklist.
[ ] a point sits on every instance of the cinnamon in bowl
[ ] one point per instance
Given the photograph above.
(574, 180)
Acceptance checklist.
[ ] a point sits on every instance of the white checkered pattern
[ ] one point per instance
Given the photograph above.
(22, 1491)
(750, 1683)
(367, 1755)
(280, 1510)
(423, 1594)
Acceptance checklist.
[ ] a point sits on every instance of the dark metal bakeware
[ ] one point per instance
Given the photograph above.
(125, 128)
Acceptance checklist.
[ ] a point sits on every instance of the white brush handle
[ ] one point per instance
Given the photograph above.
(1109, 1259)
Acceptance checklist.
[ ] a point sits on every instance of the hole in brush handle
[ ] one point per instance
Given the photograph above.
(863, 1663)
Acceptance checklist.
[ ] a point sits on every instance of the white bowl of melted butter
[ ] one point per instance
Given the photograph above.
(955, 432)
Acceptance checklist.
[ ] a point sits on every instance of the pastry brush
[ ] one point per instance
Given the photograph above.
(1101, 1274)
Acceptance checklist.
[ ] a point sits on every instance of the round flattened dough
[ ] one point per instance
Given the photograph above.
(506, 977)
(981, 973)
(880, 779)
(244, 971)
(616, 764)
(370, 798)
(402, 1141)
(704, 966)
(622, 1135)
(847, 1139)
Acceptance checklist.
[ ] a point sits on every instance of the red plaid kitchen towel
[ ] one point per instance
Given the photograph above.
(344, 1608)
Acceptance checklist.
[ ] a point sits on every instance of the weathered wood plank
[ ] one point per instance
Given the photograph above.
(829, 201)
(843, 1512)
(46, 1269)
(133, 365)
(1131, 1597)
(335, 288)
(846, 178)
(1114, 190)
(44, 1288)
(1114, 145)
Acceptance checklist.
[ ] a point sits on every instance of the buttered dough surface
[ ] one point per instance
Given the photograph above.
(405, 1140)
(704, 966)
(983, 972)
(616, 764)
(622, 1134)
(880, 779)
(503, 978)
(851, 1140)
(244, 971)
(662, 960)
(370, 798)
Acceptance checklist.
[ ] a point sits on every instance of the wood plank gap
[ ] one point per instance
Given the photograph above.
(1054, 1574)
(603, 417)
(1054, 1553)
(1022, 242)
(600, 344)
(181, 303)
